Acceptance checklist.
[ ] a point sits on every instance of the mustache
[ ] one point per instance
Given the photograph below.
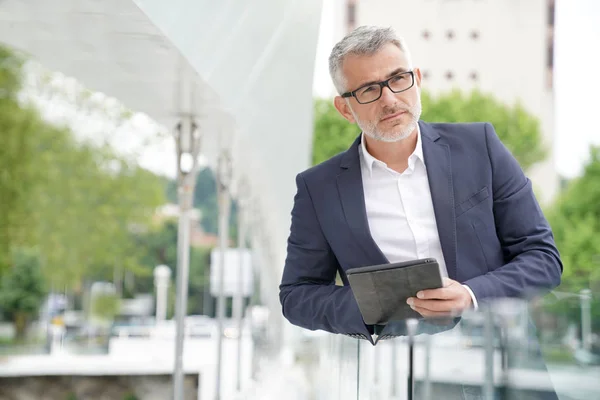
(393, 110)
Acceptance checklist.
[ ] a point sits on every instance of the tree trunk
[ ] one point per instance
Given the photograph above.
(20, 321)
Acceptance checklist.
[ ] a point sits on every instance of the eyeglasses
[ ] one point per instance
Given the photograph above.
(372, 92)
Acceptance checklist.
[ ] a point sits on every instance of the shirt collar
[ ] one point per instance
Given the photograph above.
(368, 160)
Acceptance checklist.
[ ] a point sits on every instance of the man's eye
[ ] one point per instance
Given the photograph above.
(368, 89)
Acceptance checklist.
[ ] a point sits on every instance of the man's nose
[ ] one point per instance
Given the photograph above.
(387, 96)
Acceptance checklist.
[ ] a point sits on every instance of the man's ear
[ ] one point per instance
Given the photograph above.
(418, 77)
(343, 108)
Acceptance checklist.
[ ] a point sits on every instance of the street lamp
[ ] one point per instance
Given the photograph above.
(187, 139)
(224, 172)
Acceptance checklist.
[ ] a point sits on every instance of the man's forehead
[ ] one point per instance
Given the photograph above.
(360, 69)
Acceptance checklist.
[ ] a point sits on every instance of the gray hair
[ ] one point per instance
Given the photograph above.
(364, 40)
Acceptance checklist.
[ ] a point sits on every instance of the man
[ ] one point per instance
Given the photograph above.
(405, 190)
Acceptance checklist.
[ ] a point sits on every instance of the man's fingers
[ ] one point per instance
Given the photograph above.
(432, 314)
(430, 305)
(443, 306)
(443, 293)
(436, 294)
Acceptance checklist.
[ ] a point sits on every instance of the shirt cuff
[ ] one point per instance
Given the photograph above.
(475, 305)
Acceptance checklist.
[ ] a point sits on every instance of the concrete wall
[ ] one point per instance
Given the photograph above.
(143, 387)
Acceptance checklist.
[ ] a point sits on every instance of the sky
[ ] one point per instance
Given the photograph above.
(577, 78)
(577, 84)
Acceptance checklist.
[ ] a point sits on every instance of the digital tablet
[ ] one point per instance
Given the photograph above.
(381, 291)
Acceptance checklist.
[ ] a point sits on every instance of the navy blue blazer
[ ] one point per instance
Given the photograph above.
(494, 236)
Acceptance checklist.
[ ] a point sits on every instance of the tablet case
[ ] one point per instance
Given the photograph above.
(381, 291)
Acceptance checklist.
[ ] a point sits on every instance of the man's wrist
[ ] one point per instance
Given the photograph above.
(474, 304)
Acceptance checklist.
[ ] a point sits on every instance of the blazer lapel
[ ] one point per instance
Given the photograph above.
(352, 197)
(439, 172)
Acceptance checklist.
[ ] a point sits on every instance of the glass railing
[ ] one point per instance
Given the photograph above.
(547, 348)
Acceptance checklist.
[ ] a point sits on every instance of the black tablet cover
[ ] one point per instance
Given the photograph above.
(381, 291)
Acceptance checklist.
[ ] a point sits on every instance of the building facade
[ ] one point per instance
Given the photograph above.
(503, 47)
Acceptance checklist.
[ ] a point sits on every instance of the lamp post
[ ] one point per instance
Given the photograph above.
(585, 298)
(187, 138)
(238, 304)
(253, 220)
(223, 182)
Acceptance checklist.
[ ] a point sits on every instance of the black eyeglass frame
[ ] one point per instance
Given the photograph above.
(382, 84)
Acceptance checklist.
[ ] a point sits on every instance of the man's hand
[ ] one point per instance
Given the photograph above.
(447, 301)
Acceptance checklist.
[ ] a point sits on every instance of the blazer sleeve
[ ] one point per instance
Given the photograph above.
(308, 294)
(532, 260)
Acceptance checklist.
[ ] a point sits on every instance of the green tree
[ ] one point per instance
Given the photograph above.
(518, 130)
(22, 290)
(77, 202)
(205, 199)
(106, 306)
(199, 289)
(10, 73)
(19, 178)
(159, 246)
(87, 208)
(575, 221)
(332, 134)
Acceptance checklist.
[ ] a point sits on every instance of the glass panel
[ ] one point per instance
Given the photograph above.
(349, 362)
(568, 329)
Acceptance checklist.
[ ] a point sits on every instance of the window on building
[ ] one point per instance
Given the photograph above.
(449, 75)
(474, 35)
(550, 45)
(351, 13)
(426, 35)
(425, 74)
(474, 76)
(551, 12)
(450, 35)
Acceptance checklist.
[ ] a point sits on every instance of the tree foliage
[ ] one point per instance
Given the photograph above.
(76, 202)
(18, 176)
(22, 289)
(332, 134)
(105, 306)
(575, 220)
(92, 203)
(518, 130)
(205, 200)
(159, 246)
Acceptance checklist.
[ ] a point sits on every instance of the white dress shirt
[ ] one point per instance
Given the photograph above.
(400, 210)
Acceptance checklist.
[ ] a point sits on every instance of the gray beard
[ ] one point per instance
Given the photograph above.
(398, 133)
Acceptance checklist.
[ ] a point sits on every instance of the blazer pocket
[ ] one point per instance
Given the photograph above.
(472, 201)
